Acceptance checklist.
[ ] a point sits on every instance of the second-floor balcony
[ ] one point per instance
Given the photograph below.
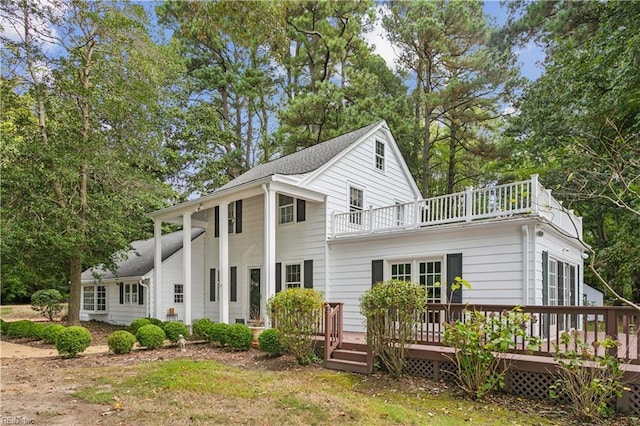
(495, 202)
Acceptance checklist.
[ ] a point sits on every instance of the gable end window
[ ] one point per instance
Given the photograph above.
(379, 156)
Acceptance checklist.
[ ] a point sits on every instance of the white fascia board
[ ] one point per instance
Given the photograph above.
(320, 170)
(283, 187)
(126, 280)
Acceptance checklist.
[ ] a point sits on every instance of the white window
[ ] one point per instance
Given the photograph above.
(285, 205)
(94, 298)
(131, 294)
(379, 155)
(232, 217)
(178, 293)
(356, 203)
(553, 283)
(293, 274)
(426, 272)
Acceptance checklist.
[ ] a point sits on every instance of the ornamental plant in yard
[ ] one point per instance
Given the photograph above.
(73, 340)
(218, 333)
(393, 310)
(295, 312)
(51, 333)
(121, 342)
(270, 341)
(477, 341)
(239, 337)
(172, 329)
(201, 328)
(150, 336)
(47, 302)
(588, 379)
(20, 329)
(139, 322)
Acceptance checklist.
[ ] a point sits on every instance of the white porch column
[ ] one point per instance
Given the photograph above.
(223, 250)
(186, 265)
(269, 250)
(157, 269)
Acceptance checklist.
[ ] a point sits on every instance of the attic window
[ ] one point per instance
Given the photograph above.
(379, 156)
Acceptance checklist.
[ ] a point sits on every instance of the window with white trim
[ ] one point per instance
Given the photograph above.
(293, 276)
(178, 293)
(356, 205)
(379, 156)
(231, 210)
(426, 272)
(94, 298)
(286, 208)
(131, 294)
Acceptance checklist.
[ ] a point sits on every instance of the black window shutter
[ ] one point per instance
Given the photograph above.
(238, 216)
(545, 278)
(121, 293)
(377, 271)
(301, 210)
(233, 284)
(278, 277)
(212, 285)
(308, 274)
(561, 300)
(216, 221)
(140, 295)
(454, 269)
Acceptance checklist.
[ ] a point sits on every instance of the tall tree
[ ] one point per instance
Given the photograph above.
(459, 80)
(92, 173)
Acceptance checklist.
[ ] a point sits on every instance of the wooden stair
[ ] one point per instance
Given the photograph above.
(353, 361)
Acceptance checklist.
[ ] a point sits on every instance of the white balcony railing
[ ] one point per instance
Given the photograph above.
(526, 197)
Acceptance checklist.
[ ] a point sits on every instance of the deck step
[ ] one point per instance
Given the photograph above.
(346, 365)
(350, 355)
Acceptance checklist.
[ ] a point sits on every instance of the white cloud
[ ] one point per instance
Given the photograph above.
(377, 38)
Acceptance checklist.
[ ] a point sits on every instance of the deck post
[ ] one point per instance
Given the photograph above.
(535, 193)
(327, 332)
(611, 327)
(416, 213)
(370, 218)
(468, 205)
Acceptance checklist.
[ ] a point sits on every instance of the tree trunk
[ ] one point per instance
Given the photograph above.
(451, 170)
(73, 317)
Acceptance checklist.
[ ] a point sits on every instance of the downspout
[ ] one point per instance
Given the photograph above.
(525, 264)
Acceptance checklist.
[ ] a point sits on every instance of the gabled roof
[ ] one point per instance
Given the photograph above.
(303, 161)
(138, 261)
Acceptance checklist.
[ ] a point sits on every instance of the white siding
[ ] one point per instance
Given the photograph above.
(491, 259)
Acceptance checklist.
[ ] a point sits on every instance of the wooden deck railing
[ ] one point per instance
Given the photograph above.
(593, 324)
(526, 197)
(333, 328)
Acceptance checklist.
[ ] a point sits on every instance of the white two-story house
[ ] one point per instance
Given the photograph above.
(338, 217)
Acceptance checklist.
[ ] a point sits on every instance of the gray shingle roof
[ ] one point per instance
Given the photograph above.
(139, 260)
(303, 161)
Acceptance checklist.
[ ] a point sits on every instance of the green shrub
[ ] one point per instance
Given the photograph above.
(19, 329)
(51, 332)
(477, 340)
(121, 342)
(137, 323)
(588, 379)
(202, 328)
(270, 341)
(239, 337)
(172, 329)
(47, 302)
(155, 321)
(392, 309)
(73, 340)
(36, 330)
(4, 326)
(150, 336)
(219, 331)
(295, 313)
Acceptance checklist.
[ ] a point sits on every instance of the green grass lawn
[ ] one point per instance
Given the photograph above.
(205, 392)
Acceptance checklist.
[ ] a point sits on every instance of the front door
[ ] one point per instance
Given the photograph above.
(254, 294)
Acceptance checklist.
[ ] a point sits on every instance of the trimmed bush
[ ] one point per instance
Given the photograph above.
(173, 328)
(19, 329)
(47, 302)
(219, 331)
(202, 328)
(270, 341)
(155, 321)
(51, 332)
(121, 342)
(137, 323)
(295, 313)
(150, 336)
(4, 326)
(36, 330)
(239, 337)
(73, 340)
